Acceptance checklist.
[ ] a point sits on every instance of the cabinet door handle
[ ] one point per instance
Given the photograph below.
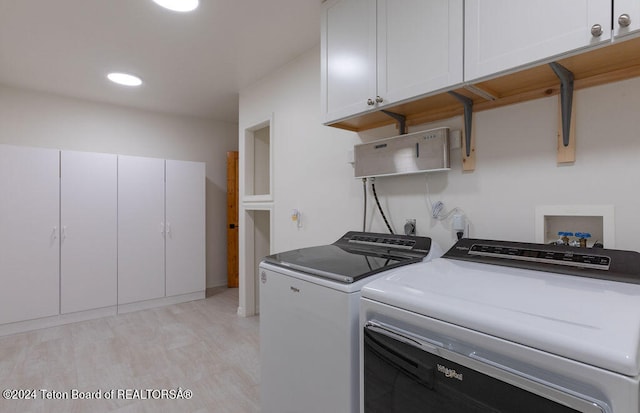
(370, 102)
(168, 227)
(596, 30)
(162, 228)
(379, 99)
(63, 233)
(54, 233)
(624, 20)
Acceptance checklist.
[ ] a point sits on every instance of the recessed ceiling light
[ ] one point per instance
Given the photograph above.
(178, 5)
(124, 79)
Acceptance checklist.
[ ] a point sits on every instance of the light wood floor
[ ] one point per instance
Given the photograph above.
(202, 346)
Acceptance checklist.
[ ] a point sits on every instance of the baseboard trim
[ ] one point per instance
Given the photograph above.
(160, 302)
(61, 319)
(54, 321)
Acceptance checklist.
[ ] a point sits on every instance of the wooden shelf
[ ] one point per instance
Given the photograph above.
(614, 62)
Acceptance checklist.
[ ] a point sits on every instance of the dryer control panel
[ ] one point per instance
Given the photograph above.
(573, 258)
(615, 265)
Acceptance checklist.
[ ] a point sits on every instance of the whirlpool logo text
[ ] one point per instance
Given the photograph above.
(449, 373)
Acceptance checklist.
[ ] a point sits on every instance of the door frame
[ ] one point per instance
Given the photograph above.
(248, 295)
(250, 202)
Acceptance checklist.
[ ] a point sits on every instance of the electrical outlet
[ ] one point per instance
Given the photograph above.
(410, 227)
(458, 224)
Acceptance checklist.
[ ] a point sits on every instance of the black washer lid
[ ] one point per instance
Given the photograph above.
(354, 256)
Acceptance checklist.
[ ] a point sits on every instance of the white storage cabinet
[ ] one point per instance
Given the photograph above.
(348, 57)
(161, 228)
(88, 231)
(626, 17)
(501, 35)
(185, 227)
(420, 47)
(141, 229)
(89, 226)
(374, 54)
(29, 231)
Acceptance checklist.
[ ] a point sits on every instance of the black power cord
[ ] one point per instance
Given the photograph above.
(375, 195)
(364, 213)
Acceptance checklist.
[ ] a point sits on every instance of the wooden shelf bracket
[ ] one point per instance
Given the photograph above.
(468, 113)
(401, 119)
(566, 98)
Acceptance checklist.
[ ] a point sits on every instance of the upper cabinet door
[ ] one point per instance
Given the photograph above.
(29, 233)
(348, 58)
(504, 34)
(378, 53)
(626, 17)
(185, 227)
(419, 47)
(89, 219)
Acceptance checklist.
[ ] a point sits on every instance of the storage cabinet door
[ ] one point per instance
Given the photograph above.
(140, 229)
(348, 58)
(419, 47)
(29, 223)
(626, 17)
(185, 227)
(89, 231)
(504, 34)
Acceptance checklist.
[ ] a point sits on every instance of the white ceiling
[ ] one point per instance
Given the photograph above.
(191, 63)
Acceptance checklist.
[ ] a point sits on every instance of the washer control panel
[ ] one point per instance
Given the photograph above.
(384, 242)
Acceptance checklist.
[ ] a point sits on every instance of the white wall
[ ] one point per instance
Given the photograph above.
(310, 166)
(36, 119)
(516, 166)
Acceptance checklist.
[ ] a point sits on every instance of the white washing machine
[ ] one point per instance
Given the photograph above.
(309, 310)
(506, 327)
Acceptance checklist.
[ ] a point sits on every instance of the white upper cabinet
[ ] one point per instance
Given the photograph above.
(419, 47)
(626, 17)
(504, 34)
(375, 54)
(29, 233)
(89, 219)
(348, 57)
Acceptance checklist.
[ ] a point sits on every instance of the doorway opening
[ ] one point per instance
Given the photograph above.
(261, 247)
(256, 210)
(257, 244)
